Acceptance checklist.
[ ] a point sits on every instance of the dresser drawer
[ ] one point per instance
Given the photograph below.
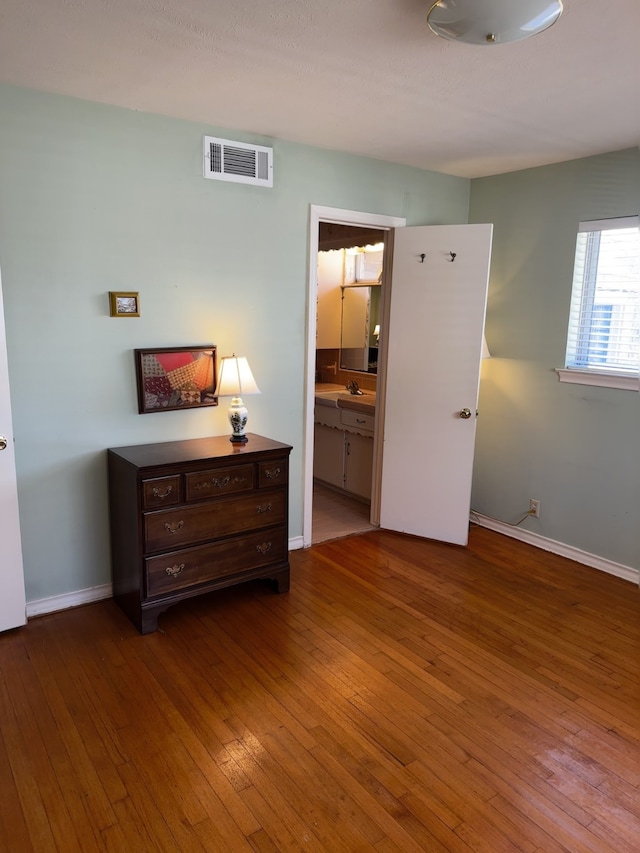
(166, 530)
(193, 566)
(219, 481)
(161, 491)
(357, 421)
(273, 473)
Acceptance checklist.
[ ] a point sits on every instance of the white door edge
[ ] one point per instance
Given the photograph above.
(339, 216)
(13, 612)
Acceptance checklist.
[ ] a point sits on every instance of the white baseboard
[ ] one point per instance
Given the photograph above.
(618, 569)
(69, 599)
(94, 593)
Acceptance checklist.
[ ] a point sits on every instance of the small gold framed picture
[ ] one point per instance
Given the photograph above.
(124, 304)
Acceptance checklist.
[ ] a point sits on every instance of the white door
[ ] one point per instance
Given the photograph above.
(434, 346)
(12, 595)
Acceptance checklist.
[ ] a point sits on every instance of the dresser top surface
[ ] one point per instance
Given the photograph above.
(198, 450)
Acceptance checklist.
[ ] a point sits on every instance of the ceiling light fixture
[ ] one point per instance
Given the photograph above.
(492, 21)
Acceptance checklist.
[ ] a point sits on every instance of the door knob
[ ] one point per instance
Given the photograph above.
(464, 414)
(3, 442)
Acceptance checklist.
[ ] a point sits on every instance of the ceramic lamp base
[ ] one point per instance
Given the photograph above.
(238, 416)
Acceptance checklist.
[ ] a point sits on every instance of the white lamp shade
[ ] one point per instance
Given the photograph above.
(492, 21)
(235, 378)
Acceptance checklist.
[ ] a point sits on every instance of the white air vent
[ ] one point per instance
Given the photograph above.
(237, 161)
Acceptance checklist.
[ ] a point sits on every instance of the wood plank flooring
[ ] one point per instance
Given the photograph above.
(403, 696)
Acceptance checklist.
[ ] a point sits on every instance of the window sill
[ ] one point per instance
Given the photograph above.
(604, 380)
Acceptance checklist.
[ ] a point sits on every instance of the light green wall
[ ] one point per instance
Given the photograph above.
(95, 198)
(575, 448)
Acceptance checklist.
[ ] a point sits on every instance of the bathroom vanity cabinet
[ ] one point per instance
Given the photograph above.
(343, 452)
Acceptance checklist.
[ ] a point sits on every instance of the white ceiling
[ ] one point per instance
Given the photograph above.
(363, 76)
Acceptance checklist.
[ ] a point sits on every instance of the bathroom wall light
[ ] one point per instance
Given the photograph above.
(492, 21)
(235, 379)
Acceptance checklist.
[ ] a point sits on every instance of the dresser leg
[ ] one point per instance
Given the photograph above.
(149, 618)
(148, 622)
(281, 581)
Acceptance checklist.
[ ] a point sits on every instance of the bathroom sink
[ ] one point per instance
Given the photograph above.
(327, 398)
(358, 402)
(339, 394)
(344, 400)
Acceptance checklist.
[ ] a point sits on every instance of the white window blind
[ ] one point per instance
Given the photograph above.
(604, 320)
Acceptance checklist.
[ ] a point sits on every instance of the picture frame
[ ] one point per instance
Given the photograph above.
(124, 304)
(173, 378)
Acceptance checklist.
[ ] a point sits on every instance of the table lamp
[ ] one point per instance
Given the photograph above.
(235, 379)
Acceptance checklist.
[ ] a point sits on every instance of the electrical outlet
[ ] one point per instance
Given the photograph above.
(534, 508)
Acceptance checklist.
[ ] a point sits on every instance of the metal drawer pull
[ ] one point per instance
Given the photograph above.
(157, 493)
(264, 548)
(220, 482)
(272, 473)
(174, 527)
(360, 421)
(264, 508)
(175, 570)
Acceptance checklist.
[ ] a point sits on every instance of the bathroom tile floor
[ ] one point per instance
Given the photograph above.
(336, 515)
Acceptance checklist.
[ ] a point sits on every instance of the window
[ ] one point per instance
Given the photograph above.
(369, 264)
(603, 340)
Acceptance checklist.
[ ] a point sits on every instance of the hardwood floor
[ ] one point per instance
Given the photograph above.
(403, 696)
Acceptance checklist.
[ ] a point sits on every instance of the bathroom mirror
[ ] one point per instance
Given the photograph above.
(359, 329)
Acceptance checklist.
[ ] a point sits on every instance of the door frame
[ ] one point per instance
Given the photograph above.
(338, 216)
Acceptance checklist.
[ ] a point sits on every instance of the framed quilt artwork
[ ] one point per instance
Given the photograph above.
(176, 378)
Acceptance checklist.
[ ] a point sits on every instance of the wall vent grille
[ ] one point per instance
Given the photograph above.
(240, 162)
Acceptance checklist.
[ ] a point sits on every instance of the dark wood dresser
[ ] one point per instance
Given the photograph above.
(188, 517)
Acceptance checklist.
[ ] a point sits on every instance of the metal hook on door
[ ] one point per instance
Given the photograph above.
(453, 256)
(422, 257)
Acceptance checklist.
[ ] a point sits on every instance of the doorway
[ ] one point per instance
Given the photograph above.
(350, 287)
(440, 278)
(335, 508)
